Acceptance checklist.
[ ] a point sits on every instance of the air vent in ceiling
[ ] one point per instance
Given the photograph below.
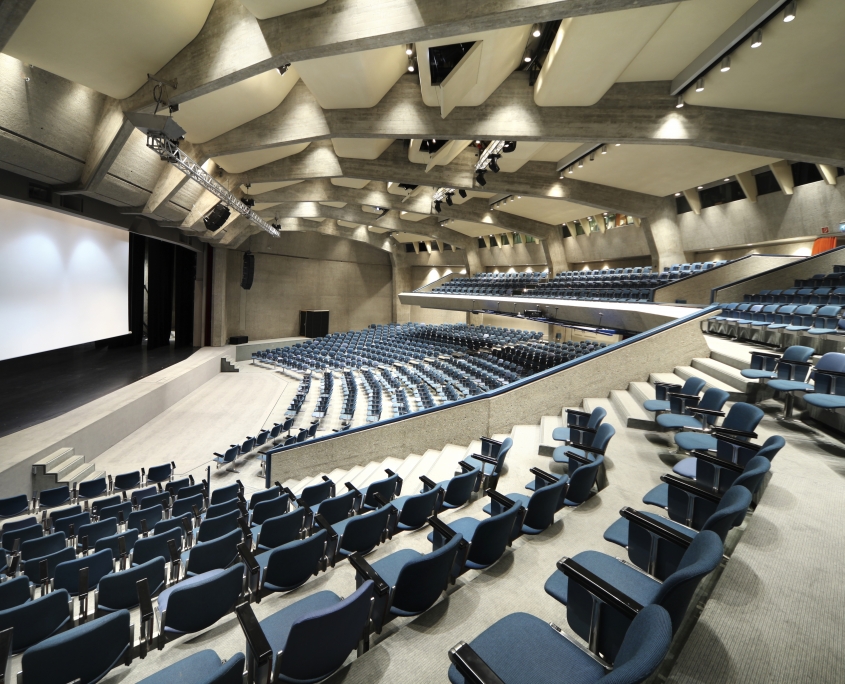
(40, 193)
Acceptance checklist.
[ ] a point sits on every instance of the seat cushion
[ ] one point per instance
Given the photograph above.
(659, 496)
(464, 526)
(639, 586)
(617, 533)
(559, 454)
(687, 467)
(790, 386)
(674, 421)
(754, 374)
(544, 655)
(519, 498)
(690, 441)
(825, 401)
(196, 579)
(389, 567)
(656, 405)
(532, 485)
(195, 669)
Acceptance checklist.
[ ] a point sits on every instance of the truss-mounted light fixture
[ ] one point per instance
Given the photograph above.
(163, 134)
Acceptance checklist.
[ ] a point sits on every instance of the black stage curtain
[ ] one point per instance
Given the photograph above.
(137, 254)
(160, 293)
(185, 277)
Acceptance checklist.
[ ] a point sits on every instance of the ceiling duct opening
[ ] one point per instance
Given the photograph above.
(443, 58)
(537, 49)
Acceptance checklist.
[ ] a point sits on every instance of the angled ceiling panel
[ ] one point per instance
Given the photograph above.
(264, 9)
(244, 161)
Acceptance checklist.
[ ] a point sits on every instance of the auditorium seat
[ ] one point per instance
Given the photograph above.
(36, 620)
(740, 423)
(292, 564)
(84, 654)
(692, 386)
(540, 507)
(576, 590)
(362, 533)
(702, 414)
(281, 530)
(227, 493)
(197, 602)
(735, 451)
(119, 590)
(415, 509)
(212, 555)
(579, 419)
(523, 649)
(14, 505)
(202, 667)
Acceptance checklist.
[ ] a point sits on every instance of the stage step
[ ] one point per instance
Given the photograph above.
(226, 365)
(78, 474)
(52, 462)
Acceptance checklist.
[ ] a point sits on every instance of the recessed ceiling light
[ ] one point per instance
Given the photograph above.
(536, 33)
(699, 85)
(409, 52)
(604, 149)
(726, 64)
(727, 180)
(580, 163)
(789, 12)
(526, 59)
(757, 40)
(701, 187)
(411, 67)
(677, 194)
(618, 144)
(748, 245)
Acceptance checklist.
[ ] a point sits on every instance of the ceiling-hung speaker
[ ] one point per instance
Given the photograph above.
(216, 217)
(249, 271)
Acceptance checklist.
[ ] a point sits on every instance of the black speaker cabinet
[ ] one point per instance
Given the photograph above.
(313, 323)
(239, 339)
(249, 271)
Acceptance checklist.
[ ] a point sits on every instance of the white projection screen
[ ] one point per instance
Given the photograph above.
(64, 280)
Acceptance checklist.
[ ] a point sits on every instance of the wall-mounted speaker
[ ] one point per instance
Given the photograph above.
(249, 271)
(216, 217)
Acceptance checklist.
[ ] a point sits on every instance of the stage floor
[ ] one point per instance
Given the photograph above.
(42, 386)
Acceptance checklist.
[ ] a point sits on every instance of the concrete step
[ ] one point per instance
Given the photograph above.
(427, 460)
(641, 391)
(710, 380)
(93, 475)
(52, 461)
(631, 413)
(739, 359)
(371, 471)
(310, 481)
(407, 467)
(669, 378)
(612, 416)
(338, 476)
(79, 474)
(67, 467)
(293, 485)
(351, 474)
(547, 427)
(445, 466)
(722, 372)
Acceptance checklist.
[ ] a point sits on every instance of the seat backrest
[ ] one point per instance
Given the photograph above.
(460, 488)
(282, 529)
(155, 546)
(35, 531)
(91, 488)
(730, 511)
(644, 647)
(221, 509)
(492, 536)
(363, 532)
(213, 528)
(151, 515)
(386, 488)
(182, 506)
(832, 361)
(175, 486)
(289, 566)
(190, 491)
(692, 385)
(597, 415)
(421, 581)
(99, 565)
(43, 546)
(127, 480)
(543, 505)
(159, 473)
(264, 495)
(752, 477)
(212, 555)
(582, 479)
(14, 593)
(93, 532)
(714, 399)
(113, 542)
(115, 511)
(338, 507)
(13, 505)
(337, 629)
(222, 494)
(271, 508)
(199, 602)
(34, 621)
(119, 590)
(418, 508)
(603, 436)
(701, 557)
(768, 450)
(743, 416)
(316, 493)
(54, 497)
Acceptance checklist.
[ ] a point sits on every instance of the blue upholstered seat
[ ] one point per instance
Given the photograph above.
(281, 530)
(488, 538)
(212, 555)
(99, 565)
(597, 415)
(742, 416)
(713, 400)
(688, 467)
(34, 621)
(691, 386)
(415, 509)
(290, 565)
(203, 667)
(119, 590)
(362, 533)
(198, 602)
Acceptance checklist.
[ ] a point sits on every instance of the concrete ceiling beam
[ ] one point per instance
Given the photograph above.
(12, 13)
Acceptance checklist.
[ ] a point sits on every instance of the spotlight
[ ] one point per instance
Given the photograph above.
(526, 59)
(726, 64)
(699, 85)
(727, 180)
(437, 206)
(680, 103)
(617, 144)
(449, 200)
(536, 33)
(411, 68)
(757, 40)
(509, 146)
(479, 178)
(462, 193)
(571, 170)
(248, 201)
(581, 163)
(677, 194)
(494, 165)
(283, 69)
(173, 108)
(700, 187)
(789, 12)
(604, 149)
(409, 51)
(592, 156)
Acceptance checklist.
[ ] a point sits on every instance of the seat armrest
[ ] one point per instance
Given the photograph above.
(490, 440)
(716, 461)
(738, 442)
(809, 364)
(382, 502)
(352, 488)
(765, 355)
(497, 500)
(365, 570)
(486, 459)
(259, 647)
(655, 527)
(835, 374)
(543, 475)
(326, 478)
(322, 522)
(577, 458)
(585, 447)
(466, 467)
(706, 412)
(595, 585)
(428, 483)
(576, 412)
(439, 526)
(682, 396)
(252, 566)
(473, 669)
(691, 488)
(733, 433)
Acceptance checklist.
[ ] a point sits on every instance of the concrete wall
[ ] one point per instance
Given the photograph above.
(696, 289)
(784, 278)
(624, 242)
(774, 216)
(524, 404)
(802, 248)
(102, 423)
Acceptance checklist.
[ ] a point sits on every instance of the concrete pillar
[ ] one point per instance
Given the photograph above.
(694, 200)
(473, 261)
(219, 330)
(402, 282)
(783, 175)
(748, 184)
(664, 236)
(828, 172)
(555, 252)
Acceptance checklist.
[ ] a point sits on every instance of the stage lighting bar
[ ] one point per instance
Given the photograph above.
(490, 153)
(169, 151)
(441, 193)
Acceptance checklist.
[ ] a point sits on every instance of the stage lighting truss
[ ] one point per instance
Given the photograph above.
(169, 151)
(490, 153)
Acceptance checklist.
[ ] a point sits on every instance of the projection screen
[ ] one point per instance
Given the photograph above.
(63, 280)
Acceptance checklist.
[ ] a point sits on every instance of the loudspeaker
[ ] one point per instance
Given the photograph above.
(239, 339)
(313, 323)
(249, 271)
(216, 217)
